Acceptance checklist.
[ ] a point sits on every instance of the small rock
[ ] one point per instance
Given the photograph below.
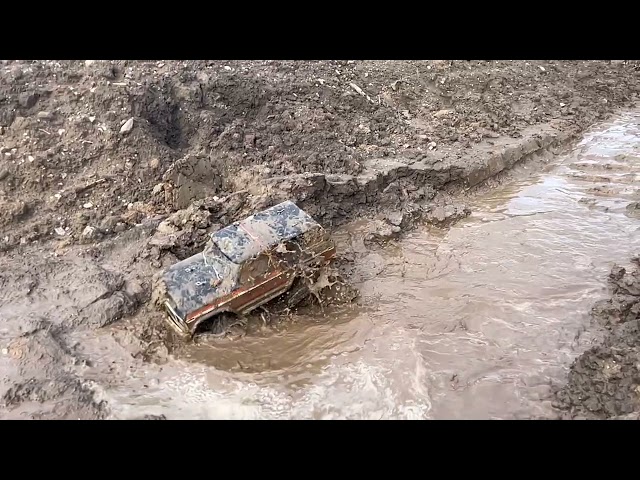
(249, 141)
(227, 68)
(61, 131)
(81, 219)
(442, 113)
(109, 72)
(562, 104)
(450, 211)
(432, 145)
(87, 205)
(109, 223)
(382, 233)
(60, 231)
(166, 228)
(27, 99)
(17, 73)
(5, 351)
(154, 417)
(88, 63)
(1, 130)
(542, 68)
(4, 173)
(31, 158)
(439, 214)
(158, 188)
(90, 233)
(44, 115)
(154, 163)
(395, 218)
(633, 210)
(448, 214)
(163, 242)
(127, 126)
(92, 119)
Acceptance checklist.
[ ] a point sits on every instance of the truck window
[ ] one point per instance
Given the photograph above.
(256, 268)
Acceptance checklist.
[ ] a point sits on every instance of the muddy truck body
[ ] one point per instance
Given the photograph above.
(246, 265)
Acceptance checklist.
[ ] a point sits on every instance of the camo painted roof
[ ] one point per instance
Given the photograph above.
(243, 240)
(200, 280)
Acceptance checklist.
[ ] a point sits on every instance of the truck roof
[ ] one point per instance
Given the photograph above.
(262, 231)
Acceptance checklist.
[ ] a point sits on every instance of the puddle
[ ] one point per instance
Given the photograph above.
(473, 322)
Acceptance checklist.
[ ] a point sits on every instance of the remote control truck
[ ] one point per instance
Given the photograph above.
(246, 265)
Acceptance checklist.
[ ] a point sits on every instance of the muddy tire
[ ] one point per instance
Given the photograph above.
(220, 324)
(298, 292)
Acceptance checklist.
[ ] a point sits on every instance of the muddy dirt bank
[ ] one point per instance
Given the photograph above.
(604, 382)
(110, 171)
(93, 148)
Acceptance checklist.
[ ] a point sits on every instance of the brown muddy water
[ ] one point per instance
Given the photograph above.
(476, 321)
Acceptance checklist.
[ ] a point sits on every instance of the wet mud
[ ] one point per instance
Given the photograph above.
(112, 171)
(604, 382)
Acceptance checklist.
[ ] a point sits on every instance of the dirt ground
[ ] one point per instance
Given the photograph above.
(112, 170)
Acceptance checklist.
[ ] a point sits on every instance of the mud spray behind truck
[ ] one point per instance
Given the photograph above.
(246, 265)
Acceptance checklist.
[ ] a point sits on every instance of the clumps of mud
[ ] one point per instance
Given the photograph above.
(185, 232)
(604, 382)
(48, 386)
(89, 149)
(394, 223)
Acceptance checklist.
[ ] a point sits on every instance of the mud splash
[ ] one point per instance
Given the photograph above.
(478, 321)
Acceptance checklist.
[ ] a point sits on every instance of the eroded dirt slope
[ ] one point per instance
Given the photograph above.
(212, 128)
